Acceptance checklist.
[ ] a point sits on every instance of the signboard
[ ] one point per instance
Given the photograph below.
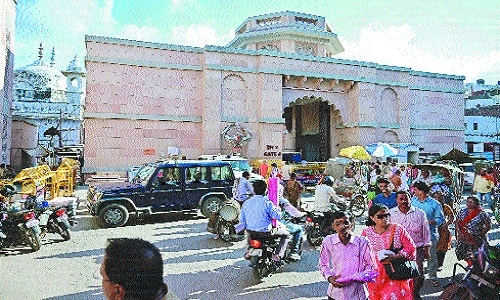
(478, 148)
(272, 151)
(149, 151)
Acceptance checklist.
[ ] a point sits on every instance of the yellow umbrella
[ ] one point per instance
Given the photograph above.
(355, 152)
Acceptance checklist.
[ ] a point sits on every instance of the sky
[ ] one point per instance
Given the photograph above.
(458, 37)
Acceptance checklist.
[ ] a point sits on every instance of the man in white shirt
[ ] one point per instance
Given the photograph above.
(323, 195)
(245, 188)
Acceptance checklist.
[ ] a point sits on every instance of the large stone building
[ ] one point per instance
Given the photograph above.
(50, 100)
(7, 25)
(278, 80)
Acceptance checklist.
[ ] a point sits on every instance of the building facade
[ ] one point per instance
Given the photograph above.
(278, 79)
(51, 100)
(7, 25)
(482, 119)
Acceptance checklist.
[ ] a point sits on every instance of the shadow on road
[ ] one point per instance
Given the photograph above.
(94, 294)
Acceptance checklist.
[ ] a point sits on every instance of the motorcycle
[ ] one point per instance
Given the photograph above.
(19, 227)
(317, 227)
(222, 222)
(481, 279)
(260, 253)
(52, 220)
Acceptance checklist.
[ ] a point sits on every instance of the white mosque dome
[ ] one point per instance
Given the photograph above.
(42, 77)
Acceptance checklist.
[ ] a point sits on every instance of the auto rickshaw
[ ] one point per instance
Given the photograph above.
(443, 177)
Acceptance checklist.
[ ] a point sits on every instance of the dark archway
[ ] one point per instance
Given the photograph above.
(309, 119)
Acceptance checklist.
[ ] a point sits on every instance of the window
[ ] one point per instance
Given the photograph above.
(474, 126)
(197, 174)
(167, 176)
(222, 173)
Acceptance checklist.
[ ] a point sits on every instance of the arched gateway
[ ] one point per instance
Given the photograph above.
(311, 122)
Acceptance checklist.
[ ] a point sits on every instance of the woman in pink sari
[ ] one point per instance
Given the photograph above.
(378, 231)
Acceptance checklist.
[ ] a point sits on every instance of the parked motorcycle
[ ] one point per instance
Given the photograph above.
(19, 226)
(317, 227)
(481, 279)
(52, 220)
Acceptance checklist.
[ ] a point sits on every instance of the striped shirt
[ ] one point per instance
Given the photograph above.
(415, 222)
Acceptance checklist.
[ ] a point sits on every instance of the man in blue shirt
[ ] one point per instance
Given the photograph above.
(256, 217)
(386, 197)
(435, 216)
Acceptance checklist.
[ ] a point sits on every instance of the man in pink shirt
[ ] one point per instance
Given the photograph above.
(344, 254)
(414, 220)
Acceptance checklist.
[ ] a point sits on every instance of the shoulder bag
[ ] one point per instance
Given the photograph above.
(402, 268)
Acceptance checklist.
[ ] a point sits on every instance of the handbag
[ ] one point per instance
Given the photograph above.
(400, 269)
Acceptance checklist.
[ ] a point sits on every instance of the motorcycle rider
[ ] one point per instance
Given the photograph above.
(256, 217)
(295, 230)
(327, 201)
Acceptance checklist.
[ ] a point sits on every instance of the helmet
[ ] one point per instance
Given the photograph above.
(328, 180)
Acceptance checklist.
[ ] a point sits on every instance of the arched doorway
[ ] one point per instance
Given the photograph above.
(309, 120)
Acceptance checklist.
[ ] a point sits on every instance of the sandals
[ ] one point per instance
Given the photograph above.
(434, 283)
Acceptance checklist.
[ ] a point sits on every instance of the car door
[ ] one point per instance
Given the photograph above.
(166, 190)
(222, 180)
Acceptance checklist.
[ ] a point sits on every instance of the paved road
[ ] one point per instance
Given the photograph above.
(196, 264)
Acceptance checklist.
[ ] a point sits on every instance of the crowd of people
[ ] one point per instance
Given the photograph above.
(408, 208)
(400, 225)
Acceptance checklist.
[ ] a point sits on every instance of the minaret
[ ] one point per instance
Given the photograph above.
(75, 84)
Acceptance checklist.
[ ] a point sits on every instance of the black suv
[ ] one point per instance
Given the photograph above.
(162, 187)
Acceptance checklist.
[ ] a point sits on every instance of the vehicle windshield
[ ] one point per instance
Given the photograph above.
(144, 174)
(240, 165)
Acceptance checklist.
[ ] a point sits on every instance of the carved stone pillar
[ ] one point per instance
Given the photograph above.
(324, 131)
(298, 128)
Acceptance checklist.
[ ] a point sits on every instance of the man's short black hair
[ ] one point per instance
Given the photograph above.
(137, 266)
(340, 214)
(245, 174)
(424, 187)
(259, 187)
(383, 180)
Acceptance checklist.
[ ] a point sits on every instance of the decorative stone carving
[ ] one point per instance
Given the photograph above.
(236, 136)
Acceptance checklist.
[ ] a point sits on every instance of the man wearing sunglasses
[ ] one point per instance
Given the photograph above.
(343, 254)
(435, 217)
(414, 220)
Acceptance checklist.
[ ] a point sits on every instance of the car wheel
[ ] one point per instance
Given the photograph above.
(210, 205)
(114, 215)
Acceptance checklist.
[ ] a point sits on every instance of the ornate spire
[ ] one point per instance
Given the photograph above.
(40, 52)
(52, 56)
(74, 66)
(39, 61)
